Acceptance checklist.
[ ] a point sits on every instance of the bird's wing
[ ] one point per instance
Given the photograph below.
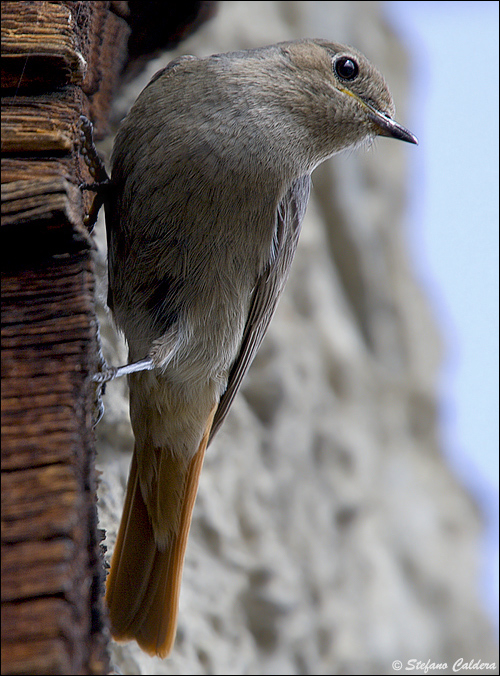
(267, 290)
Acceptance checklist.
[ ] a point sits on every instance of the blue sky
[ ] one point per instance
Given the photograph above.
(454, 229)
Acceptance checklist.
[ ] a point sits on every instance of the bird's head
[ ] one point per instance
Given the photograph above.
(337, 94)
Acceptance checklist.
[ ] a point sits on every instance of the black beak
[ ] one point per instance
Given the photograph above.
(386, 126)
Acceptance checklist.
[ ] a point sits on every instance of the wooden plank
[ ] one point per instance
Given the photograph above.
(108, 54)
(39, 45)
(38, 656)
(40, 502)
(47, 122)
(36, 568)
(25, 621)
(40, 200)
(47, 45)
(48, 325)
(37, 444)
(71, 167)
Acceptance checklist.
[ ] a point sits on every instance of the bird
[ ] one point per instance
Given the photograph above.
(210, 182)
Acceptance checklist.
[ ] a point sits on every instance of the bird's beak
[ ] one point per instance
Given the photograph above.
(386, 126)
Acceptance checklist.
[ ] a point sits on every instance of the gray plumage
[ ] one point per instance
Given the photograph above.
(211, 176)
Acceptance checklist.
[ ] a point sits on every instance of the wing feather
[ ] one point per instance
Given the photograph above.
(267, 290)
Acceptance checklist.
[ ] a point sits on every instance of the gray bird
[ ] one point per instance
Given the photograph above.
(210, 181)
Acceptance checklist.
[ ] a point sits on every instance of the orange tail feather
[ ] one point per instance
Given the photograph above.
(143, 586)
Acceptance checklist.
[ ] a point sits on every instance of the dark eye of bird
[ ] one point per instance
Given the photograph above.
(346, 68)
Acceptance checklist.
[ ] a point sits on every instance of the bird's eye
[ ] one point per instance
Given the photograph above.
(346, 68)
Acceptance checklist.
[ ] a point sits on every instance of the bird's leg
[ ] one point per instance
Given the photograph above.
(111, 372)
(102, 182)
(107, 373)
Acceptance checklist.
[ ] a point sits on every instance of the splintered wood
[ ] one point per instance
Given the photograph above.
(59, 60)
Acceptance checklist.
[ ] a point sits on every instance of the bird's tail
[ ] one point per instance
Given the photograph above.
(142, 589)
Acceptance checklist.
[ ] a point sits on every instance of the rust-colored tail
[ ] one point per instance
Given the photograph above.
(142, 589)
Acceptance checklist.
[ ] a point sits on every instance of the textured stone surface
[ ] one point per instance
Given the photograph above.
(329, 535)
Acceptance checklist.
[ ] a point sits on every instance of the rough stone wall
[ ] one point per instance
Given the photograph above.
(329, 534)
